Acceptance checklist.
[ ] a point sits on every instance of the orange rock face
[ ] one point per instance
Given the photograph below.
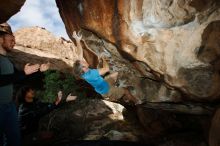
(176, 39)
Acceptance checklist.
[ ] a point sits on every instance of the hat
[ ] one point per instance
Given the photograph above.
(5, 27)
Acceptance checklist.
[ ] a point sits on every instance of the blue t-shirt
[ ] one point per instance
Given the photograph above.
(93, 77)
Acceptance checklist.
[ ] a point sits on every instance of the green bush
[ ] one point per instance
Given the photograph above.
(55, 81)
(52, 84)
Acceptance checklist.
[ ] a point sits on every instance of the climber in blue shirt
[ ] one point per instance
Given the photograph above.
(92, 77)
(104, 86)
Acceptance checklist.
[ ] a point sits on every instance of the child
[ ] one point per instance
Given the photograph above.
(31, 110)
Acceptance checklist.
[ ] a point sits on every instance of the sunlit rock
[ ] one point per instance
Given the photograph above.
(176, 39)
(37, 45)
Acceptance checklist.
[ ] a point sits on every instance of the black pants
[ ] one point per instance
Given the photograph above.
(9, 125)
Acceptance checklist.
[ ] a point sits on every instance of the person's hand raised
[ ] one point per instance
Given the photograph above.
(59, 97)
(77, 37)
(70, 98)
(44, 67)
(30, 69)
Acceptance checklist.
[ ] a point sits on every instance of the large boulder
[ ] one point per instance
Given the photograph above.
(37, 45)
(92, 120)
(176, 39)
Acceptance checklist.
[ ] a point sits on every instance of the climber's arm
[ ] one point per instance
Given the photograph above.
(78, 45)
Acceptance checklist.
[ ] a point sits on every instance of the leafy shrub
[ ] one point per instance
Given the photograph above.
(52, 84)
(55, 81)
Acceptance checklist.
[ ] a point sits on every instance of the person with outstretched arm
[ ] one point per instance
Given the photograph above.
(9, 126)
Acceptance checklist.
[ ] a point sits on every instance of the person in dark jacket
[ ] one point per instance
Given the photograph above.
(9, 75)
(31, 110)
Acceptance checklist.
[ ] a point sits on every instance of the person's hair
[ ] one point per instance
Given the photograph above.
(77, 69)
(20, 96)
(2, 34)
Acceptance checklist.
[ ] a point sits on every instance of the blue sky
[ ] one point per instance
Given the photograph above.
(43, 13)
